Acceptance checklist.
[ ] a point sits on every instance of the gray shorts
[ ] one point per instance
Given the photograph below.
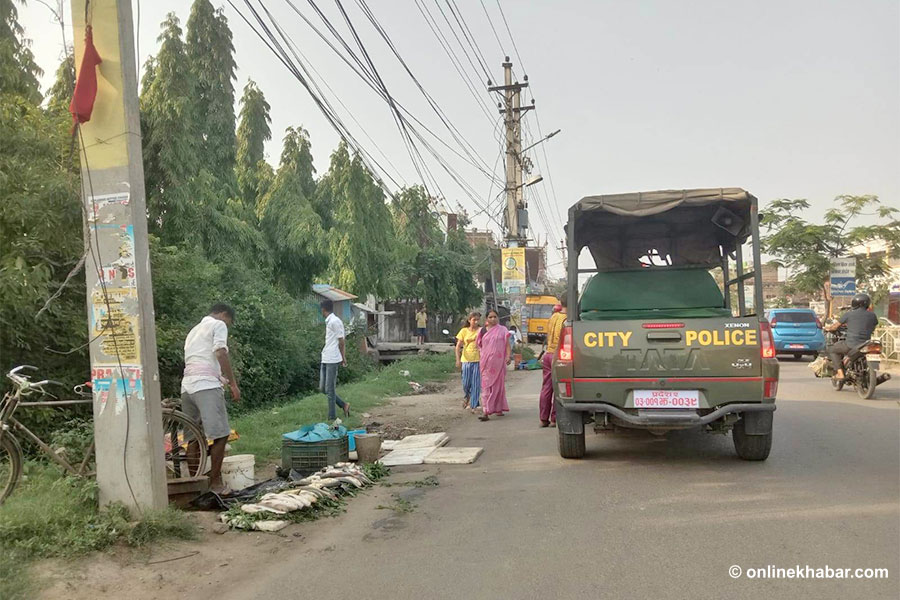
(207, 408)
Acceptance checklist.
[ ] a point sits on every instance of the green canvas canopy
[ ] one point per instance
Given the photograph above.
(652, 293)
(678, 227)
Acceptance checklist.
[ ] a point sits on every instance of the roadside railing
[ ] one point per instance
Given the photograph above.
(890, 342)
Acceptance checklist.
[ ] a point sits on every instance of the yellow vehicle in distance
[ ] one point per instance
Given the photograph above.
(538, 310)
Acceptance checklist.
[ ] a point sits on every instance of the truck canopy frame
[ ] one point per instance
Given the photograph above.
(701, 228)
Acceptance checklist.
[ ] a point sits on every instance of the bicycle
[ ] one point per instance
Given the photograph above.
(183, 458)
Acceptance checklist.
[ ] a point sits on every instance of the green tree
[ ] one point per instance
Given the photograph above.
(40, 223)
(253, 172)
(18, 71)
(362, 236)
(170, 139)
(60, 94)
(430, 265)
(292, 227)
(806, 249)
(210, 58)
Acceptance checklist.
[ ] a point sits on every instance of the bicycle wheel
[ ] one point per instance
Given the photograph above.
(11, 461)
(183, 458)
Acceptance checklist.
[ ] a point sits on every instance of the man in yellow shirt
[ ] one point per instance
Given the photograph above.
(554, 327)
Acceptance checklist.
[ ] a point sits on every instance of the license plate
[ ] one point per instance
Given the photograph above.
(666, 399)
(796, 345)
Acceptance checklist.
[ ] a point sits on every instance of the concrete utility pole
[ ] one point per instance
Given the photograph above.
(512, 109)
(562, 249)
(127, 411)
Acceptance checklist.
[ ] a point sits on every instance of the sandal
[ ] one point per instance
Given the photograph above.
(484, 418)
(545, 423)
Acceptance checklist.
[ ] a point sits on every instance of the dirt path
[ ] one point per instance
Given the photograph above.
(209, 566)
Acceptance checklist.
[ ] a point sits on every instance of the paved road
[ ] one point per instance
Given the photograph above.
(639, 517)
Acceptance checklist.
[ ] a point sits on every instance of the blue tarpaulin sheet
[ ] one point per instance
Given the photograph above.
(316, 433)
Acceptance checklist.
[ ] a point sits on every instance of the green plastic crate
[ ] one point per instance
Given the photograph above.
(308, 457)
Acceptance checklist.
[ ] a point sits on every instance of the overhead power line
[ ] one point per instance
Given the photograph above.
(358, 67)
(454, 131)
(270, 41)
(491, 23)
(457, 64)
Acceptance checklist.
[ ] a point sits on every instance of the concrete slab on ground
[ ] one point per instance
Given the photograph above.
(453, 456)
(423, 440)
(406, 456)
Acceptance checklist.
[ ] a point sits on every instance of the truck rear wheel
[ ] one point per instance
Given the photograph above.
(750, 447)
(571, 445)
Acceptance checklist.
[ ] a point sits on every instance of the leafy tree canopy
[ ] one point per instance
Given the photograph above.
(18, 71)
(362, 235)
(252, 133)
(806, 248)
(292, 227)
(41, 219)
(170, 133)
(430, 265)
(210, 56)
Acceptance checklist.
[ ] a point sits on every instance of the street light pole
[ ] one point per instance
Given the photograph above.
(540, 141)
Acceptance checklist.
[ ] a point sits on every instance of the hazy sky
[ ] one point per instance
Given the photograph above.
(785, 98)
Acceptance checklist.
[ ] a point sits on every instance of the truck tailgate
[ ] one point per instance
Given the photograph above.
(718, 356)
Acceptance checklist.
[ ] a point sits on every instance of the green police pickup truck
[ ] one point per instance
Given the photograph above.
(653, 342)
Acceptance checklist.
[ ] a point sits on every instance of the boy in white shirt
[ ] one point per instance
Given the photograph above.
(333, 356)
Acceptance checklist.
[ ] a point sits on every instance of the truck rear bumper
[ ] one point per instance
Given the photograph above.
(667, 418)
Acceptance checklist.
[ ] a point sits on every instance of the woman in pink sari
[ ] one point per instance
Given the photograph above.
(493, 341)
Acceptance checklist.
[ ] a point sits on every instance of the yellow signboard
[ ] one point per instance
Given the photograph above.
(513, 268)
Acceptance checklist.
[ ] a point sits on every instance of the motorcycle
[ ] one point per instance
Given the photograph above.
(859, 370)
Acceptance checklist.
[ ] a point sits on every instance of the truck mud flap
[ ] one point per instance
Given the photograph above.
(569, 421)
(757, 423)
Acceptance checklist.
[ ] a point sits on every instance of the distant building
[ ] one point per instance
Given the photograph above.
(343, 301)
(483, 237)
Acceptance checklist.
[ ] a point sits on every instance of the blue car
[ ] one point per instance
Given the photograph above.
(797, 331)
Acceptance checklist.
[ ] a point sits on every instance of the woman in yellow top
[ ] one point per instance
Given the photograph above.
(468, 359)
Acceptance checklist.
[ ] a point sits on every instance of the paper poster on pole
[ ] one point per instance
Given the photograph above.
(843, 276)
(513, 269)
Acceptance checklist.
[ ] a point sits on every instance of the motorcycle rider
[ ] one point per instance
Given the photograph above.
(860, 322)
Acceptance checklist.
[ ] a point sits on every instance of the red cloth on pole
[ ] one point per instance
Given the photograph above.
(86, 86)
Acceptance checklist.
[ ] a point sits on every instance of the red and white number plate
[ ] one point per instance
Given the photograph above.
(666, 399)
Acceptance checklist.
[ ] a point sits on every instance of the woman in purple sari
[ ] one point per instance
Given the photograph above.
(493, 341)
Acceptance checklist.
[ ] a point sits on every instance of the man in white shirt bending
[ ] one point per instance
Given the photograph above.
(333, 356)
(202, 391)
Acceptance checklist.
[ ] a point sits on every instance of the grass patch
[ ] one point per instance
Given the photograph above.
(261, 431)
(400, 505)
(54, 516)
(430, 481)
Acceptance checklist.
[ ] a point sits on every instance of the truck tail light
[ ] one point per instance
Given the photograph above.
(770, 388)
(565, 388)
(767, 342)
(566, 351)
